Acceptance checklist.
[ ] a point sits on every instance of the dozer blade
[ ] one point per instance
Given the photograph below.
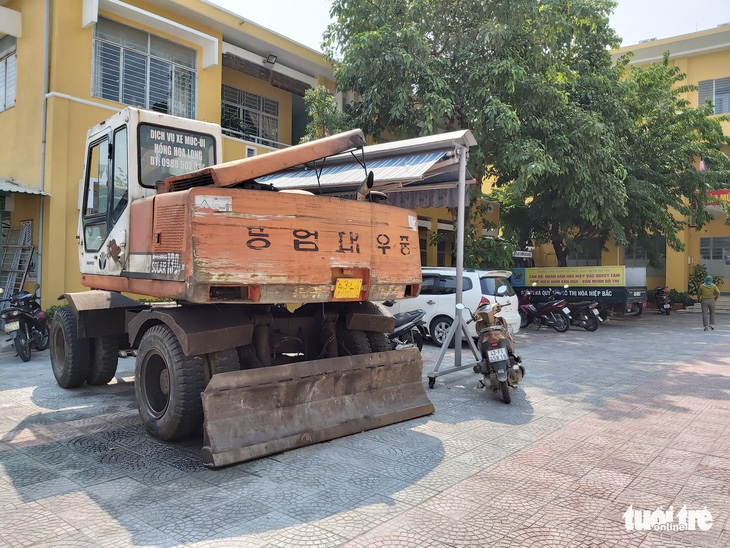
(258, 412)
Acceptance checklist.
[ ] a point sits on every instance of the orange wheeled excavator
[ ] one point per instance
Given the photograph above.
(270, 336)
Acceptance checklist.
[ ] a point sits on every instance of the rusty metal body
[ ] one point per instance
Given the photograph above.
(207, 244)
(230, 254)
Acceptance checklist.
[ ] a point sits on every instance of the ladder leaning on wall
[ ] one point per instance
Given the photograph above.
(17, 253)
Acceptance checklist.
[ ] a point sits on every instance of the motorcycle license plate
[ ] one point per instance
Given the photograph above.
(348, 288)
(566, 310)
(667, 305)
(497, 355)
(12, 326)
(595, 312)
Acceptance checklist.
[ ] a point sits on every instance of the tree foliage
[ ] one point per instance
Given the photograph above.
(664, 139)
(479, 252)
(580, 148)
(324, 116)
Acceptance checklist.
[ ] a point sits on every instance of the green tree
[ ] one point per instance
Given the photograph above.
(663, 139)
(324, 116)
(580, 148)
(506, 70)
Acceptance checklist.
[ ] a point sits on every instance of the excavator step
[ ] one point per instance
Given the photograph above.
(257, 412)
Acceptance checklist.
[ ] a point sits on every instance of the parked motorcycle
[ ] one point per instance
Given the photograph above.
(499, 366)
(553, 313)
(585, 314)
(26, 323)
(410, 329)
(661, 298)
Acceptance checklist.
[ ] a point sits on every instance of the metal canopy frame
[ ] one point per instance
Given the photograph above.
(458, 326)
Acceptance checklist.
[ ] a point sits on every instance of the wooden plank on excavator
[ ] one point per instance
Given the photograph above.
(247, 169)
(258, 412)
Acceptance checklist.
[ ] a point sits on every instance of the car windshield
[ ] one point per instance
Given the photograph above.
(490, 286)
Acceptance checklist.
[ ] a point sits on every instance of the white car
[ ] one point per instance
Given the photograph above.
(438, 299)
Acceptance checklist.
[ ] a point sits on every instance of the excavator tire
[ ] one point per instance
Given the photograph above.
(354, 341)
(168, 385)
(256, 412)
(378, 341)
(70, 355)
(104, 358)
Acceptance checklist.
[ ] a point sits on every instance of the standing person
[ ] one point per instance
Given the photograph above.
(707, 294)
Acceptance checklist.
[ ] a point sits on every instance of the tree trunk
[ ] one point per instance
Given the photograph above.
(561, 254)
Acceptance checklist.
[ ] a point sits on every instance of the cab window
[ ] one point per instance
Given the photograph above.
(98, 177)
(120, 186)
(96, 202)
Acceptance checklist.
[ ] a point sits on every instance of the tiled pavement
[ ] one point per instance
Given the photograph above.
(636, 414)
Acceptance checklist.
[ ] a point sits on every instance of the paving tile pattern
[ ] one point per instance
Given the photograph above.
(636, 414)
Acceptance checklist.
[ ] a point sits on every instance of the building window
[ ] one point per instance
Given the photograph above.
(718, 92)
(423, 245)
(715, 249)
(249, 116)
(144, 70)
(8, 60)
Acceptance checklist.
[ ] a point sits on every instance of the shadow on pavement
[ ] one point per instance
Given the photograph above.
(88, 447)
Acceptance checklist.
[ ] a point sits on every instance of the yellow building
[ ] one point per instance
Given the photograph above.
(66, 66)
(705, 59)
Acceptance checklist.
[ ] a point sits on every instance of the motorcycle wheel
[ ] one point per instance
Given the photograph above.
(668, 310)
(591, 323)
(418, 339)
(506, 396)
(523, 320)
(22, 345)
(560, 322)
(45, 337)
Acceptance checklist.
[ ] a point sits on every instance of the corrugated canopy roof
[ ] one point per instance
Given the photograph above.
(394, 165)
(11, 185)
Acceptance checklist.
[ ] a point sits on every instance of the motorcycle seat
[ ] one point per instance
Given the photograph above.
(402, 318)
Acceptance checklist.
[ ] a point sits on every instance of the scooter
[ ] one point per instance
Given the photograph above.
(585, 314)
(26, 323)
(499, 366)
(410, 329)
(553, 313)
(661, 298)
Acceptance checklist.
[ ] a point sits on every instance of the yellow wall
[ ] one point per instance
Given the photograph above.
(433, 214)
(21, 124)
(708, 66)
(68, 121)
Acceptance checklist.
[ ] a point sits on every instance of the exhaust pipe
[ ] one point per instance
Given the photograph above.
(364, 188)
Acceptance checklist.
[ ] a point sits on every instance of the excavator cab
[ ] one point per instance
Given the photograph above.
(128, 157)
